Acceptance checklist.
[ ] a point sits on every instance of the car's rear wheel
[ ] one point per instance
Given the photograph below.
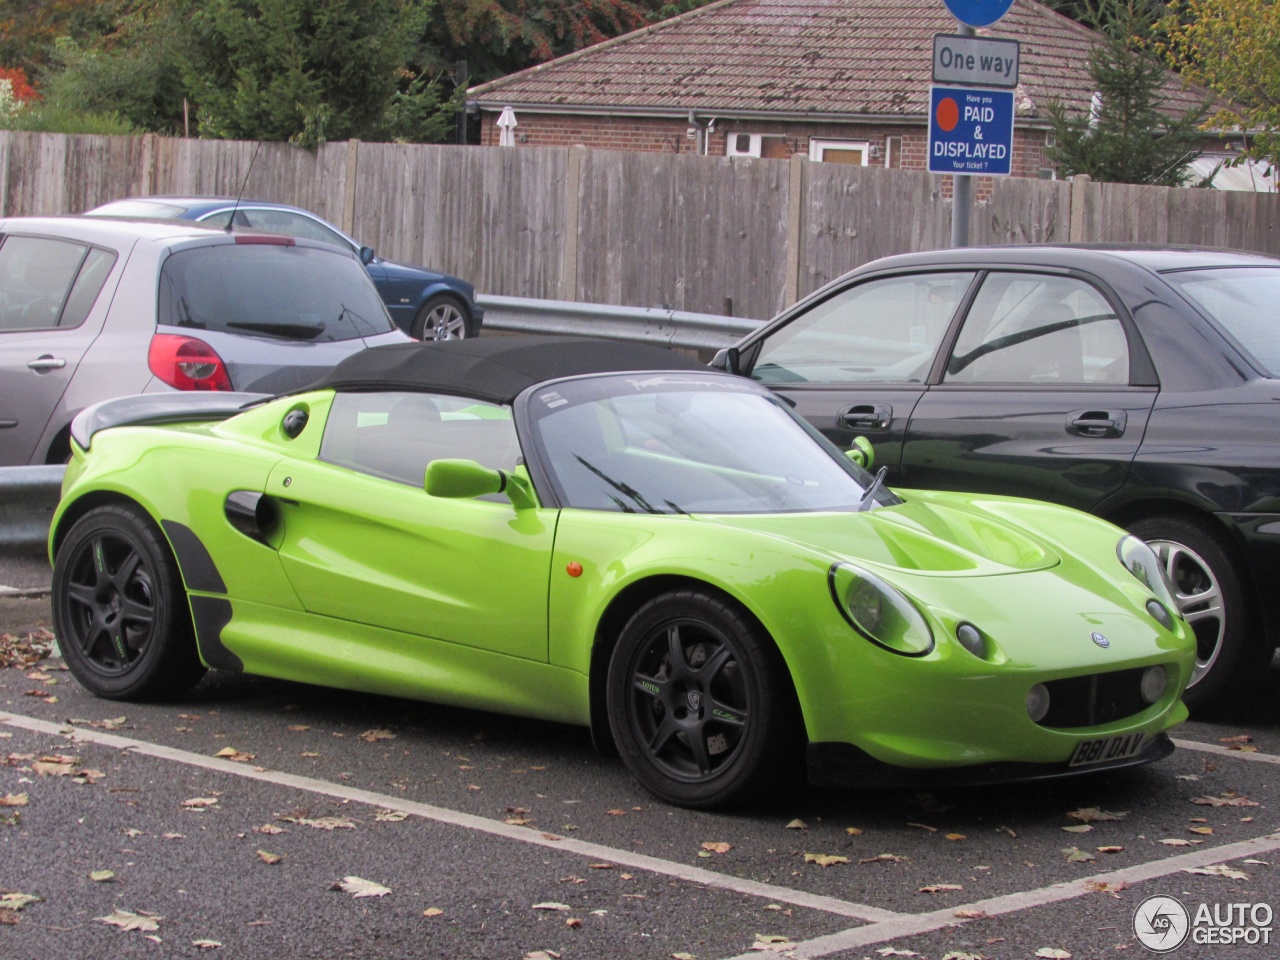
(442, 317)
(1209, 589)
(699, 703)
(119, 608)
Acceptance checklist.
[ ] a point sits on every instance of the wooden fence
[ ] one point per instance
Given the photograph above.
(703, 234)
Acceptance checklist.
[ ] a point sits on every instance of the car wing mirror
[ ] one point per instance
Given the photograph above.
(465, 479)
(367, 255)
(728, 360)
(861, 453)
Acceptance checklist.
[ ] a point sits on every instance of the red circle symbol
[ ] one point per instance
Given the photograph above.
(947, 114)
(574, 569)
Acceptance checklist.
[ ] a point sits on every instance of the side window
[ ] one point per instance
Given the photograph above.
(395, 435)
(294, 225)
(84, 293)
(881, 331)
(36, 274)
(1036, 329)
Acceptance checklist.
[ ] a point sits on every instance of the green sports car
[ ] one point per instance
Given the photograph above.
(612, 535)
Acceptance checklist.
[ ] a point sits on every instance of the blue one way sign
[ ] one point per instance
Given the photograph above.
(970, 131)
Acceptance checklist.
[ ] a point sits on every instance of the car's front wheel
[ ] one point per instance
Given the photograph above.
(119, 608)
(442, 317)
(1209, 589)
(699, 702)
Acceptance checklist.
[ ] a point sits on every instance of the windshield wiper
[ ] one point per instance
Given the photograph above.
(623, 488)
(868, 498)
(285, 331)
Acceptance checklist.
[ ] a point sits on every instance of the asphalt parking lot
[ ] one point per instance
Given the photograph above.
(229, 823)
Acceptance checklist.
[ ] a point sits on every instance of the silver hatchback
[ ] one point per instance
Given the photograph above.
(93, 308)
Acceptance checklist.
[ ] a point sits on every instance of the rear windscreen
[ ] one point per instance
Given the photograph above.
(271, 290)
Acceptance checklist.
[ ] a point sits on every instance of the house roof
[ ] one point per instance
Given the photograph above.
(811, 59)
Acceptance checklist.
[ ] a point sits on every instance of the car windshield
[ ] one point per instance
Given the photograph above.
(687, 443)
(274, 290)
(1242, 300)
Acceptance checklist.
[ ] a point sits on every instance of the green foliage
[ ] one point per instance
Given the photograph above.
(47, 118)
(1233, 48)
(1133, 138)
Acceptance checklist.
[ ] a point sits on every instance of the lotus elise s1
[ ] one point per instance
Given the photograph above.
(611, 535)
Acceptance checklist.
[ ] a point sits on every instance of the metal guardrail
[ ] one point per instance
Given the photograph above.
(28, 495)
(671, 328)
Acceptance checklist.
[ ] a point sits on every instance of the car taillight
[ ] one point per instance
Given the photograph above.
(187, 363)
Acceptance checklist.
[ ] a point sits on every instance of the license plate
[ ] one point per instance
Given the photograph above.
(1107, 748)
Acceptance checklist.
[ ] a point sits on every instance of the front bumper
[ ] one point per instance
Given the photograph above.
(844, 765)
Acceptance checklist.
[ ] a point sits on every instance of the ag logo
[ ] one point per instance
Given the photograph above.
(1099, 639)
(1161, 923)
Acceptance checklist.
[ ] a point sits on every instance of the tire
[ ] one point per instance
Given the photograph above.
(1210, 590)
(443, 317)
(119, 608)
(699, 701)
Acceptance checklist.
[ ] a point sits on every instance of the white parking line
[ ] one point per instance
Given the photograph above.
(592, 851)
(1226, 751)
(909, 925)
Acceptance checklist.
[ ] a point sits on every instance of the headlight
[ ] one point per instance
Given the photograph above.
(1141, 561)
(1154, 681)
(879, 612)
(1038, 702)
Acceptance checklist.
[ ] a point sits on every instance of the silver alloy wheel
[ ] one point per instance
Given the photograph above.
(1199, 598)
(444, 322)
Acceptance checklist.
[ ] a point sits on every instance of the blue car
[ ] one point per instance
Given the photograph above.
(425, 304)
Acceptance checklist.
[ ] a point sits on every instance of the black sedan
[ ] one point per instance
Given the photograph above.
(1140, 384)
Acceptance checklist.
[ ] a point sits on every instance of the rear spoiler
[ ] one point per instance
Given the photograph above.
(153, 408)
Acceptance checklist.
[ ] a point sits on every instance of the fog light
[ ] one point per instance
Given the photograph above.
(1160, 614)
(1038, 702)
(971, 639)
(1154, 680)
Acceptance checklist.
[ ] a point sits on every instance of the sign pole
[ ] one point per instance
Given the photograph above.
(961, 189)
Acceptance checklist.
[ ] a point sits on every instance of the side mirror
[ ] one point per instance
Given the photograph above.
(861, 453)
(727, 360)
(367, 255)
(463, 479)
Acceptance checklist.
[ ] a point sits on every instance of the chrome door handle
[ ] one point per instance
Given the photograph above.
(46, 362)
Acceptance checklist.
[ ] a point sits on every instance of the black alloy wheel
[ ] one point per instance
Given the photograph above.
(696, 702)
(119, 609)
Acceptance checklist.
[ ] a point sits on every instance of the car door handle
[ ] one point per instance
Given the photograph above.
(1097, 423)
(46, 362)
(866, 416)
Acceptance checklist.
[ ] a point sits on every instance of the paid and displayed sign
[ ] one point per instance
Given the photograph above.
(982, 61)
(970, 131)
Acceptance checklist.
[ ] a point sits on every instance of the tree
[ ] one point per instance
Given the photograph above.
(1233, 48)
(1129, 137)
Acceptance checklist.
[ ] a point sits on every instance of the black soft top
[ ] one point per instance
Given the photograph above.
(495, 368)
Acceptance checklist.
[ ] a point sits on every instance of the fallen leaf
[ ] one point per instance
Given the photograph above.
(884, 858)
(358, 887)
(172, 836)
(1100, 886)
(297, 727)
(1203, 831)
(373, 736)
(1093, 814)
(542, 955)
(269, 858)
(133, 832)
(551, 905)
(390, 816)
(683, 956)
(922, 826)
(963, 955)
(1226, 800)
(797, 825)
(941, 888)
(200, 803)
(269, 828)
(971, 914)
(1112, 849)
(131, 921)
(1242, 738)
(1187, 776)
(765, 941)
(572, 922)
(239, 756)
(955, 836)
(895, 952)
(1011, 832)
(616, 813)
(16, 901)
(432, 912)
(599, 866)
(1218, 870)
(1244, 749)
(1076, 855)
(102, 876)
(322, 823)
(88, 776)
(206, 944)
(716, 846)
(1053, 953)
(853, 831)
(1079, 828)
(825, 859)
(13, 800)
(1179, 842)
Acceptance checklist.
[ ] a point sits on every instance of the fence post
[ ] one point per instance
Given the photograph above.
(148, 164)
(6, 146)
(795, 223)
(572, 211)
(349, 186)
(1079, 184)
